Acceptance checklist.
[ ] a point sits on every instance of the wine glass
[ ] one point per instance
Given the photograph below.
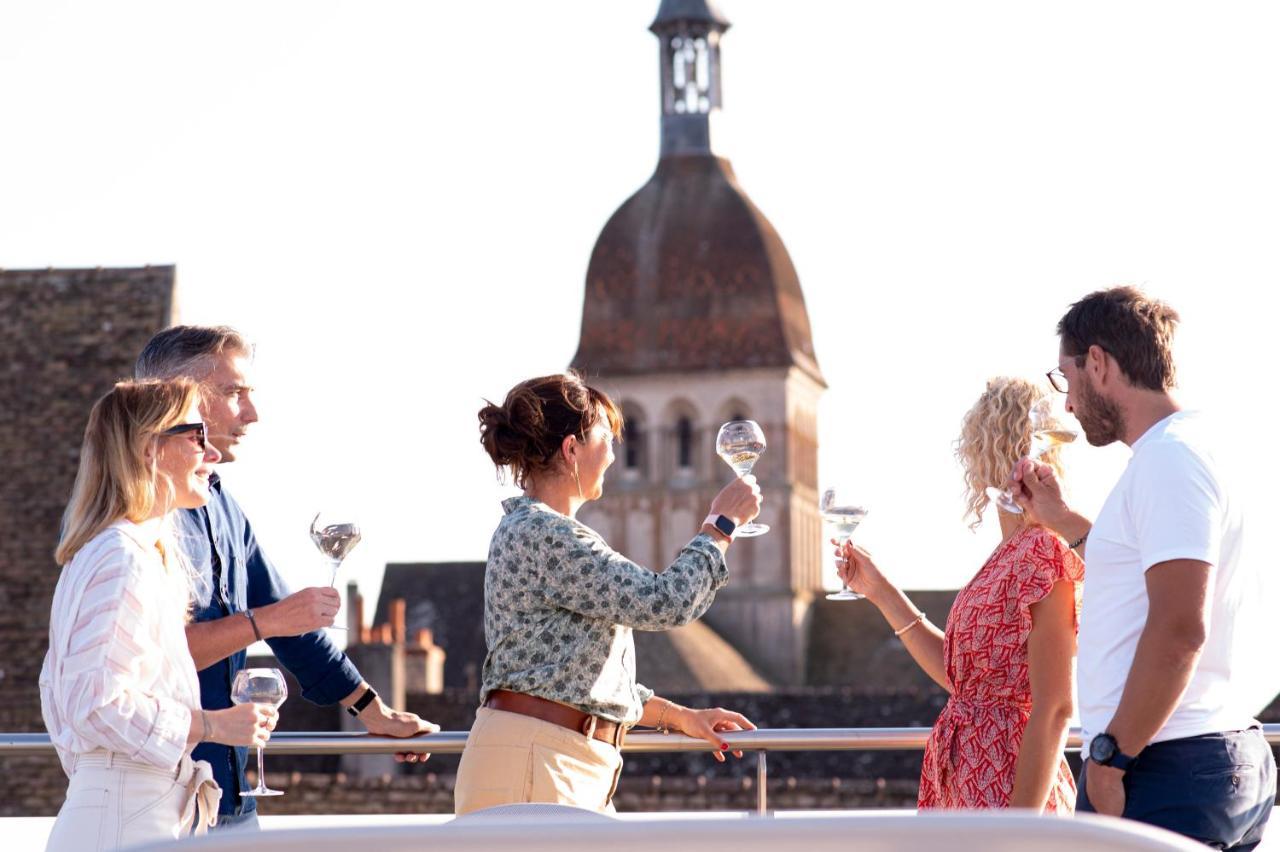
(334, 536)
(1046, 433)
(844, 516)
(260, 686)
(740, 443)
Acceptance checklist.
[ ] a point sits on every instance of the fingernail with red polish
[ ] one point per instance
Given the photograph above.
(723, 746)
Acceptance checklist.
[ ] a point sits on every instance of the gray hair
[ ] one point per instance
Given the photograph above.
(183, 350)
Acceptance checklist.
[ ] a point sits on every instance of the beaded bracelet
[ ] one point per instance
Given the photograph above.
(1081, 540)
(910, 624)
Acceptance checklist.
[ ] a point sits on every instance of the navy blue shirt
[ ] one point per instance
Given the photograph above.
(234, 575)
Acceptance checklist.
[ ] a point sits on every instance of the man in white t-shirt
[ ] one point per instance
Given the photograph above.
(1168, 731)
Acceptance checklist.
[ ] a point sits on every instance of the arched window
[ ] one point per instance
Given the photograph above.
(634, 451)
(633, 445)
(684, 442)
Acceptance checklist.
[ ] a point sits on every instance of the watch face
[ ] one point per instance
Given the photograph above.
(1102, 749)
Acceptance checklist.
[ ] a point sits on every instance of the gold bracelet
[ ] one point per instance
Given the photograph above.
(910, 624)
(662, 716)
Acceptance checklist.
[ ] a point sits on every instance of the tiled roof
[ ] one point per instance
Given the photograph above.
(850, 645)
(688, 275)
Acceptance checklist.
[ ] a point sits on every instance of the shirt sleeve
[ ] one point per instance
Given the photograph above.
(578, 572)
(325, 673)
(1046, 563)
(1177, 506)
(106, 702)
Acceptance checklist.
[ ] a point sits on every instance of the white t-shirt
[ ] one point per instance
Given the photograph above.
(1174, 501)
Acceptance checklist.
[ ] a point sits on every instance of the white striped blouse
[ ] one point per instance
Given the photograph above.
(119, 675)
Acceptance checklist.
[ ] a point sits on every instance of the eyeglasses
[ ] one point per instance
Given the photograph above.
(1058, 380)
(197, 430)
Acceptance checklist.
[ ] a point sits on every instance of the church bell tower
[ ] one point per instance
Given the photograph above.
(694, 316)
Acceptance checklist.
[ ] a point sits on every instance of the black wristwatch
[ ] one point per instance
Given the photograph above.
(722, 523)
(362, 702)
(1104, 751)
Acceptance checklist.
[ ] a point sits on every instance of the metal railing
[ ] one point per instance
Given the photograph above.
(640, 742)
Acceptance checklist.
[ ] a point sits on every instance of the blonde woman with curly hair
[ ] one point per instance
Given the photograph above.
(1007, 653)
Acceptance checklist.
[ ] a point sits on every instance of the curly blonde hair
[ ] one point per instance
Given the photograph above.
(996, 432)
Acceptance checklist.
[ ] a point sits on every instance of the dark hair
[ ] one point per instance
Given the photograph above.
(177, 350)
(1136, 330)
(524, 434)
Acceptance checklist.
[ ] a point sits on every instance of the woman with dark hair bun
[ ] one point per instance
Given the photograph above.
(559, 687)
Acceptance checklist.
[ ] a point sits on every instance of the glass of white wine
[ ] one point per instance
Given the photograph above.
(1046, 433)
(844, 516)
(740, 443)
(260, 686)
(335, 536)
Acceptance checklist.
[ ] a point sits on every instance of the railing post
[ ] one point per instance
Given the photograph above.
(762, 783)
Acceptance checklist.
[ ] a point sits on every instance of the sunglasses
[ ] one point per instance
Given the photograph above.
(196, 430)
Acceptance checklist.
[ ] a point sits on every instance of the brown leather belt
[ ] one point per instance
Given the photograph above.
(557, 714)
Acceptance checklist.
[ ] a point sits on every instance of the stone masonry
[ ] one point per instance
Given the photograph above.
(65, 336)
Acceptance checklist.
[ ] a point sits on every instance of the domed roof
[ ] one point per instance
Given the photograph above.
(689, 275)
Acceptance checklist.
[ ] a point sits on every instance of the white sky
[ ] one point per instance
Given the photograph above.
(398, 200)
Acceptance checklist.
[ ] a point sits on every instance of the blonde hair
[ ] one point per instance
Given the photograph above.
(996, 432)
(115, 479)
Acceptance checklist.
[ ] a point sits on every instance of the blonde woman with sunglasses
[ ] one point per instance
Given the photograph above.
(118, 689)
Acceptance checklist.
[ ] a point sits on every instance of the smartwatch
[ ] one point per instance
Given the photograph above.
(721, 523)
(1104, 751)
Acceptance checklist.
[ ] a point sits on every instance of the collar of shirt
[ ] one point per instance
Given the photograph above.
(147, 533)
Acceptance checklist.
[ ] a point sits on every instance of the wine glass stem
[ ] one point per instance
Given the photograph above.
(334, 565)
(262, 775)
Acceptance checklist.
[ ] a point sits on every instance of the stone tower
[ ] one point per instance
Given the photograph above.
(693, 316)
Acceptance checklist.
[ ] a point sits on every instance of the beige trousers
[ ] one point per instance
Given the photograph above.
(512, 758)
(114, 802)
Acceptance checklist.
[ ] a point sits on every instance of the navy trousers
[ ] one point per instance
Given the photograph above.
(1218, 789)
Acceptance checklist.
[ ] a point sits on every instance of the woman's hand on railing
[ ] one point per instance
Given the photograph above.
(710, 724)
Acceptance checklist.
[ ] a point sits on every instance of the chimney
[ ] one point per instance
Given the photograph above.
(355, 611)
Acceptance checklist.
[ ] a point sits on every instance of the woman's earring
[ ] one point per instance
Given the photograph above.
(577, 481)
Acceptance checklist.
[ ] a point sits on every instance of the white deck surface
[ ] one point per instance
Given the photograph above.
(29, 833)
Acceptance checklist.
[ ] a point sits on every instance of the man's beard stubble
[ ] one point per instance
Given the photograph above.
(1099, 417)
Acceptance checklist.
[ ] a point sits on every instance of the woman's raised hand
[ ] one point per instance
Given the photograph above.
(739, 501)
(710, 724)
(859, 571)
(242, 725)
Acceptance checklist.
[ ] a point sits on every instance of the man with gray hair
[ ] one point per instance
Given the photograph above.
(243, 598)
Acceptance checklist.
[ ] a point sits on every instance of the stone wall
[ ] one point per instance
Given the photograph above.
(65, 337)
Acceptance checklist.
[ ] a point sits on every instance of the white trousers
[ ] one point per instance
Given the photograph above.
(114, 802)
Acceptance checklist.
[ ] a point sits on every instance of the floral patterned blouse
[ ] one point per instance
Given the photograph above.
(972, 754)
(560, 605)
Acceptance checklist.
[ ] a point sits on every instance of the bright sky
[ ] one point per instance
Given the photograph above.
(398, 200)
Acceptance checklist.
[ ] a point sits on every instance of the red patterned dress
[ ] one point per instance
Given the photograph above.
(972, 754)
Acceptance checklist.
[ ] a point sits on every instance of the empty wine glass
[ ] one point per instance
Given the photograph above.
(260, 686)
(334, 535)
(844, 516)
(740, 443)
(1046, 433)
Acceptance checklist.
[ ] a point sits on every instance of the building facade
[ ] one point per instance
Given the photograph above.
(694, 316)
